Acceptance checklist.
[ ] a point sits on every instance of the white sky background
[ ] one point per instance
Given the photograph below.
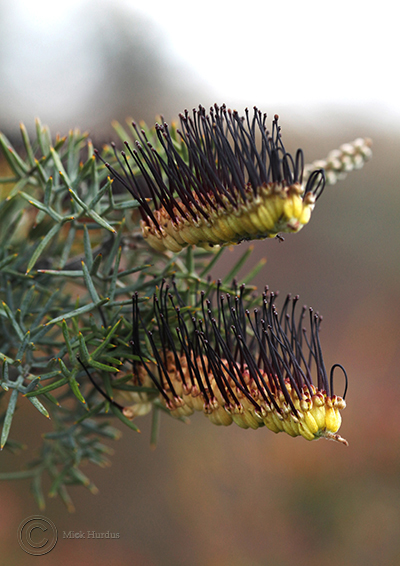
(301, 54)
(289, 51)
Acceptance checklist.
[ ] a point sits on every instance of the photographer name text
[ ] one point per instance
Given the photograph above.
(89, 534)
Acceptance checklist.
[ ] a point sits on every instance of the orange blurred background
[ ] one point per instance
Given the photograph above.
(210, 496)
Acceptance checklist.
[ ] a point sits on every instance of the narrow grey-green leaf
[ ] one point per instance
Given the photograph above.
(209, 265)
(56, 273)
(13, 321)
(113, 251)
(106, 340)
(39, 250)
(38, 405)
(89, 284)
(7, 260)
(38, 492)
(47, 388)
(59, 165)
(41, 137)
(27, 301)
(123, 418)
(32, 385)
(23, 346)
(253, 272)
(68, 344)
(91, 413)
(6, 358)
(4, 371)
(238, 265)
(102, 367)
(115, 274)
(47, 191)
(84, 353)
(67, 247)
(96, 264)
(13, 159)
(87, 247)
(77, 312)
(91, 213)
(155, 426)
(8, 418)
(27, 144)
(100, 193)
(37, 204)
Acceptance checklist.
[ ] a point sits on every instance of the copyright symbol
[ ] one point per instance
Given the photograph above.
(37, 535)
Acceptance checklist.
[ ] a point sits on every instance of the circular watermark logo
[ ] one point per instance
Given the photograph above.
(37, 535)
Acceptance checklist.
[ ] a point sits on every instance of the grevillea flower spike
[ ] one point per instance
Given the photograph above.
(255, 369)
(229, 180)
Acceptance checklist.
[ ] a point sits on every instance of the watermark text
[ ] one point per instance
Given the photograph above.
(89, 535)
(37, 535)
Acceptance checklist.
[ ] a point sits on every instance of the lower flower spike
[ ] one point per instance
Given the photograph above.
(255, 369)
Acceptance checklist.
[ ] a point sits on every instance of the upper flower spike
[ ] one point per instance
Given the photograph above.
(230, 180)
(253, 369)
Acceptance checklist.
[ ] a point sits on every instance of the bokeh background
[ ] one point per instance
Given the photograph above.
(227, 497)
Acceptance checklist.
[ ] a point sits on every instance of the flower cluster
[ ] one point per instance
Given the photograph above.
(255, 369)
(237, 182)
(340, 162)
(218, 179)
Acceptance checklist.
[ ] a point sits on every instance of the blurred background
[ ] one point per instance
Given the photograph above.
(228, 497)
